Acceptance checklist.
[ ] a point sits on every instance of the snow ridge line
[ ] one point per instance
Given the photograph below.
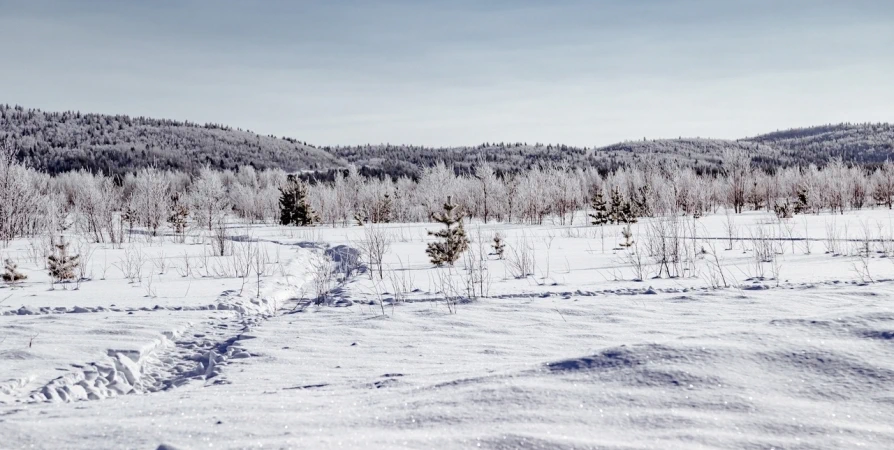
(756, 285)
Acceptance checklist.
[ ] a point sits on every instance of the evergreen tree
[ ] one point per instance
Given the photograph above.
(60, 264)
(454, 240)
(11, 272)
(627, 214)
(641, 202)
(600, 213)
(384, 210)
(801, 204)
(179, 214)
(620, 210)
(628, 236)
(499, 246)
(294, 208)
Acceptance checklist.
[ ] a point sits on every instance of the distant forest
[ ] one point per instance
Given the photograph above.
(56, 142)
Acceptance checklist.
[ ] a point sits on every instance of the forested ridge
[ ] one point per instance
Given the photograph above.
(57, 142)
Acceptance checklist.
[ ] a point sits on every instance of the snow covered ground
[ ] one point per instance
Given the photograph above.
(579, 352)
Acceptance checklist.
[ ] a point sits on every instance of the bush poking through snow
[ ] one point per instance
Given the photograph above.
(454, 240)
(375, 244)
(322, 271)
(521, 259)
(784, 210)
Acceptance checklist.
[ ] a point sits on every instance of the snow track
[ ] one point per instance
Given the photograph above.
(195, 352)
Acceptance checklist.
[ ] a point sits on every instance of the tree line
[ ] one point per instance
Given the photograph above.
(156, 200)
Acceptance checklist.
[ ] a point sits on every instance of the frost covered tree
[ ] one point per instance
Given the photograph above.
(149, 199)
(737, 171)
(209, 199)
(19, 203)
(565, 190)
(453, 240)
(883, 184)
(486, 188)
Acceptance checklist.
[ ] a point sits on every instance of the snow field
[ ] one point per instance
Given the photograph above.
(577, 352)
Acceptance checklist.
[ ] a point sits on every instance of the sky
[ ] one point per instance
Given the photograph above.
(460, 72)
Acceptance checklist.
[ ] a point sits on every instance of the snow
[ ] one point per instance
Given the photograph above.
(577, 355)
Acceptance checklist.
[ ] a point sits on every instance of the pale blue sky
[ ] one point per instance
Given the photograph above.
(458, 72)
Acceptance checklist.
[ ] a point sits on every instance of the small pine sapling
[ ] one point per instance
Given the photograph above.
(499, 246)
(453, 237)
(11, 272)
(784, 210)
(60, 264)
(627, 233)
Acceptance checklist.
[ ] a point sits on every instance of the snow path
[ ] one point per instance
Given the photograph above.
(784, 368)
(203, 339)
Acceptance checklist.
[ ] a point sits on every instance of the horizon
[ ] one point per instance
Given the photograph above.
(440, 74)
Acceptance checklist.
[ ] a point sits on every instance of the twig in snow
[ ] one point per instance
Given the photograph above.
(560, 312)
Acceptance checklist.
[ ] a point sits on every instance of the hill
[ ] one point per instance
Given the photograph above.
(858, 143)
(58, 142)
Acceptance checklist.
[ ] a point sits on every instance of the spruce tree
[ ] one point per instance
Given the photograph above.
(453, 237)
(627, 215)
(11, 272)
(60, 264)
(801, 204)
(600, 213)
(641, 202)
(179, 214)
(294, 208)
(384, 210)
(620, 210)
